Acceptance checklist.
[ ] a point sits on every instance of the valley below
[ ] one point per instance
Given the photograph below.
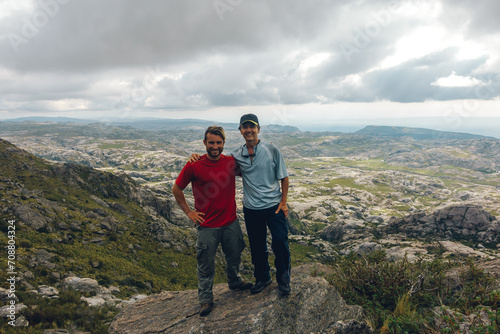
(412, 197)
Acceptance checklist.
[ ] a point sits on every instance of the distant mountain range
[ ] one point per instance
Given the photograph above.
(415, 133)
(391, 129)
(45, 119)
(155, 123)
(485, 126)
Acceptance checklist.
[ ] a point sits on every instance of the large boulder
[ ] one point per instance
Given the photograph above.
(333, 232)
(458, 222)
(30, 215)
(313, 306)
(87, 285)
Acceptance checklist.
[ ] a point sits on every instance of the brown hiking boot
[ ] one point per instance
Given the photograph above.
(206, 308)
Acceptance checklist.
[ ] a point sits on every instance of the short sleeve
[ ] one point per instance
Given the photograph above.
(281, 171)
(185, 176)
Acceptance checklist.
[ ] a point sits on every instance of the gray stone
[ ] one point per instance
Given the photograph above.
(5, 311)
(367, 248)
(351, 327)
(4, 295)
(459, 222)
(94, 301)
(82, 284)
(43, 256)
(120, 208)
(106, 226)
(98, 241)
(333, 232)
(114, 289)
(21, 321)
(28, 275)
(99, 201)
(28, 214)
(47, 291)
(62, 226)
(313, 306)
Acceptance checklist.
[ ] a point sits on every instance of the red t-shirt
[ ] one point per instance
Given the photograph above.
(213, 186)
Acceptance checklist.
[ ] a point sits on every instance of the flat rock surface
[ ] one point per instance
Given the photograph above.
(313, 306)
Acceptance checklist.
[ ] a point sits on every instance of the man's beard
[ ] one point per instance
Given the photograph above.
(214, 153)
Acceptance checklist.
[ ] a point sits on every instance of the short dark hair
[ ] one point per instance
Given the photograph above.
(216, 130)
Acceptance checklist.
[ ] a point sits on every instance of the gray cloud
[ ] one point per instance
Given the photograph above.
(175, 54)
(480, 17)
(411, 82)
(95, 34)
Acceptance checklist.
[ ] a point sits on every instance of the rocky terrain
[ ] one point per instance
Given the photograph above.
(313, 306)
(95, 214)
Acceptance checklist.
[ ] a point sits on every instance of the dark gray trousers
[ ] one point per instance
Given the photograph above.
(231, 239)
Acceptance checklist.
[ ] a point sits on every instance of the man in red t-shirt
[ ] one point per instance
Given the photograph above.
(213, 183)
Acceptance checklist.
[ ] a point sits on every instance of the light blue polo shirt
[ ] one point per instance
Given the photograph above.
(261, 177)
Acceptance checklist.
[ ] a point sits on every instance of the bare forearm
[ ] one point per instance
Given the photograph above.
(284, 193)
(195, 216)
(284, 189)
(181, 199)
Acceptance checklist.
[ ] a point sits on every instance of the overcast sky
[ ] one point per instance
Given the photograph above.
(290, 61)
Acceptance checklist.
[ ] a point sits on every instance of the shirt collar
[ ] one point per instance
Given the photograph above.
(244, 150)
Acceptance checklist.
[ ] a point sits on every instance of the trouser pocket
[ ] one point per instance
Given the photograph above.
(201, 251)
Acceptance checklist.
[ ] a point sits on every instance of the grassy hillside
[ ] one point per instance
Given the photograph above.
(74, 220)
(70, 219)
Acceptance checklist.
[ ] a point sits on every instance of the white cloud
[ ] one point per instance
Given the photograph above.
(471, 50)
(8, 8)
(454, 80)
(422, 41)
(313, 61)
(69, 104)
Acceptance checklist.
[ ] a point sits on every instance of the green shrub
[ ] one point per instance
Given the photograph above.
(68, 311)
(398, 297)
(25, 244)
(477, 287)
(132, 281)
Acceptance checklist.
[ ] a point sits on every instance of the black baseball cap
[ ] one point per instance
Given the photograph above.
(249, 118)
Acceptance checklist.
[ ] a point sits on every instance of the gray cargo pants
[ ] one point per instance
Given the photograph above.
(231, 239)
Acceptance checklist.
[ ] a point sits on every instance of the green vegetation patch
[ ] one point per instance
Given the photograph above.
(301, 254)
(109, 146)
(399, 297)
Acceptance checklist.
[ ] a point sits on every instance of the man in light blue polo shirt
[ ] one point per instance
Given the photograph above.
(264, 204)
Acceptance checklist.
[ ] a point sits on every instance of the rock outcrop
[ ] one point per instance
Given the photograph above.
(313, 306)
(460, 222)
